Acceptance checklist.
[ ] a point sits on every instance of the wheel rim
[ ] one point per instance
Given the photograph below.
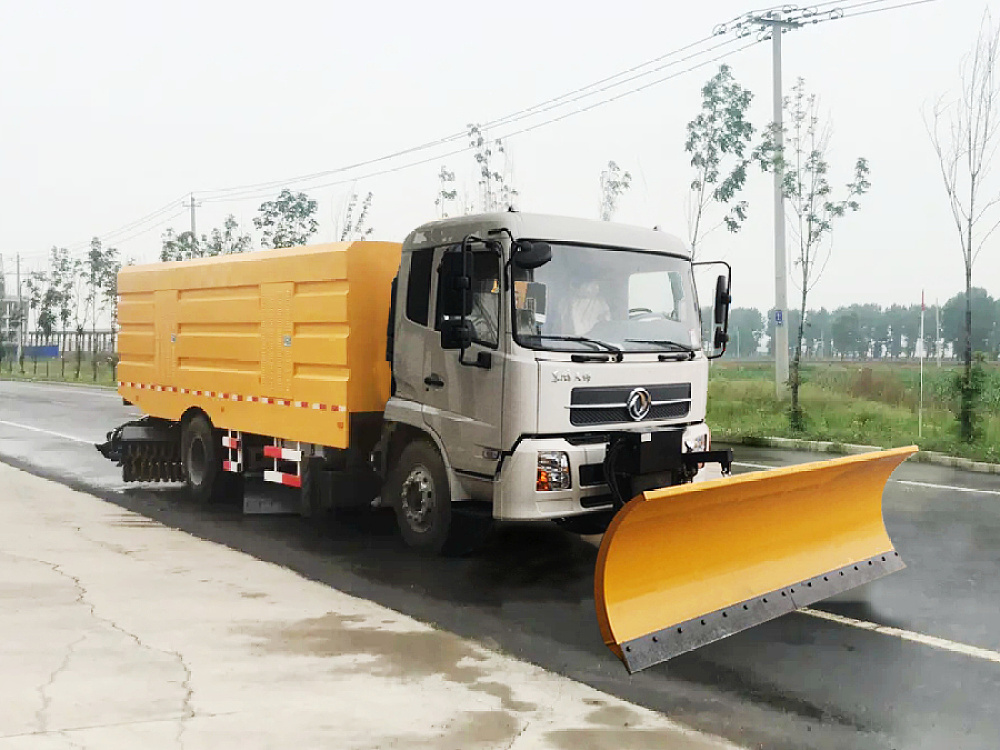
(417, 498)
(197, 460)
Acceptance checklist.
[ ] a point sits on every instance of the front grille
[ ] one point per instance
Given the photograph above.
(607, 405)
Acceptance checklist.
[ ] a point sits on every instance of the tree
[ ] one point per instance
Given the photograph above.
(287, 221)
(846, 334)
(965, 137)
(746, 329)
(178, 246)
(983, 318)
(101, 268)
(495, 182)
(614, 184)
(446, 192)
(717, 140)
(355, 223)
(228, 239)
(808, 193)
(51, 296)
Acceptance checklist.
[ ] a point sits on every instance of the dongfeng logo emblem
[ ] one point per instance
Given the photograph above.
(638, 404)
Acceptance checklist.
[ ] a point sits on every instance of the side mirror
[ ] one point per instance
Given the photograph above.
(717, 287)
(453, 287)
(456, 333)
(722, 300)
(529, 255)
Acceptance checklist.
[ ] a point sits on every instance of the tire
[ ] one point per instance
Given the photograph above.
(201, 456)
(419, 494)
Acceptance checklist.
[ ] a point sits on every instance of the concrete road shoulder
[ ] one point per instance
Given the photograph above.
(118, 632)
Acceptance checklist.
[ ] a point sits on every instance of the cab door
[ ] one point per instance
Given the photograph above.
(463, 402)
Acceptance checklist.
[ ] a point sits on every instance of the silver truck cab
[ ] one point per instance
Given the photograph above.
(601, 333)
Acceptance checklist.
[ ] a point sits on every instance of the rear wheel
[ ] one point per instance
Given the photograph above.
(201, 455)
(421, 497)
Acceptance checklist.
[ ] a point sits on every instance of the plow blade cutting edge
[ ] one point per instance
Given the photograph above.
(684, 566)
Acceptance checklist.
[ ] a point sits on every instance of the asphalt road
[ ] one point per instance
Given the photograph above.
(796, 682)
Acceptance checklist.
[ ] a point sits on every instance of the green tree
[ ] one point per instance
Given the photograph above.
(355, 223)
(614, 184)
(846, 333)
(287, 221)
(983, 308)
(746, 329)
(220, 241)
(447, 193)
(808, 193)
(965, 133)
(226, 240)
(101, 267)
(178, 246)
(718, 140)
(493, 162)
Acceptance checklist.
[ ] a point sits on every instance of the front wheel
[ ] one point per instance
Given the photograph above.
(419, 493)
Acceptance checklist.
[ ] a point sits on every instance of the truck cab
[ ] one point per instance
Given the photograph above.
(523, 348)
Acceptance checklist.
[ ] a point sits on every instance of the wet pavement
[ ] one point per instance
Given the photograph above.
(796, 682)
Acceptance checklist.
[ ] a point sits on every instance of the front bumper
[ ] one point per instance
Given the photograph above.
(515, 496)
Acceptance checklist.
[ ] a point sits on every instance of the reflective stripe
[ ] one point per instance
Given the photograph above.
(279, 477)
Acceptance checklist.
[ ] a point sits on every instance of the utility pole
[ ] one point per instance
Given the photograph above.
(777, 27)
(20, 314)
(775, 23)
(194, 235)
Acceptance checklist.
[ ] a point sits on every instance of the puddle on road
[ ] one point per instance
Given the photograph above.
(393, 654)
(616, 739)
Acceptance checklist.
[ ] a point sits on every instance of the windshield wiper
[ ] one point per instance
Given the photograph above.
(676, 348)
(582, 340)
(665, 343)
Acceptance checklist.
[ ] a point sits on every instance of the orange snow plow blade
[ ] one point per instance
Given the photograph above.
(684, 566)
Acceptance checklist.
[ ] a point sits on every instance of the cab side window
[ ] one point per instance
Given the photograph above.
(418, 286)
(485, 292)
(485, 315)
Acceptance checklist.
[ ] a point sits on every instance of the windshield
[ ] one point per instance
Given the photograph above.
(599, 299)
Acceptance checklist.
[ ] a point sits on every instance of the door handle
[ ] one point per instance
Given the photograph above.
(434, 381)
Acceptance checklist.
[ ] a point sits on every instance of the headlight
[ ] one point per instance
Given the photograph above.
(553, 471)
(697, 438)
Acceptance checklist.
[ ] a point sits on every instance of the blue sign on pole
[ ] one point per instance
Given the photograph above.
(778, 318)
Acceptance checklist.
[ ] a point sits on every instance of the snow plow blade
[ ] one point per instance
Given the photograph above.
(683, 566)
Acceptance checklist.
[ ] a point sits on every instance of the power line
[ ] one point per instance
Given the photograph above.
(808, 14)
(511, 134)
(549, 104)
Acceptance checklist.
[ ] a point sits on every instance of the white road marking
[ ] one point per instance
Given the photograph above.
(944, 487)
(907, 635)
(928, 485)
(62, 435)
(764, 467)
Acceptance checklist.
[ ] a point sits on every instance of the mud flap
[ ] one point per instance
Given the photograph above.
(683, 566)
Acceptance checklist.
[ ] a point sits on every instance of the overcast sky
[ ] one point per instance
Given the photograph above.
(113, 110)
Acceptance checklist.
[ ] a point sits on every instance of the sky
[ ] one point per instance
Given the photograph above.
(112, 113)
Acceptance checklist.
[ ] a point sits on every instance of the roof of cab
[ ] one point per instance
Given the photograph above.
(549, 228)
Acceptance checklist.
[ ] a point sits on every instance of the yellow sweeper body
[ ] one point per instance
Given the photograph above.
(286, 343)
(687, 565)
